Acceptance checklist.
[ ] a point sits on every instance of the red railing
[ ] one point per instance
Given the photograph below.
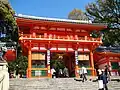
(59, 37)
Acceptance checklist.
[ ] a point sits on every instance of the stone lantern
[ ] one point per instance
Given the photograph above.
(4, 75)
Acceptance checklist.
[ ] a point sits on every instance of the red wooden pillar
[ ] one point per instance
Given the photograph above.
(29, 63)
(92, 63)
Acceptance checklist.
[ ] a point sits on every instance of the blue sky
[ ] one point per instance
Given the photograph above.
(48, 8)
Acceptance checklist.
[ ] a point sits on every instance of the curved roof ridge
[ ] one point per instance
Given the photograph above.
(54, 19)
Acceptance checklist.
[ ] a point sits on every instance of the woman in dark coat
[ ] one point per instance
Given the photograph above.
(107, 72)
(104, 78)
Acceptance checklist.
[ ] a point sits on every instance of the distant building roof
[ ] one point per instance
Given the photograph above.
(108, 49)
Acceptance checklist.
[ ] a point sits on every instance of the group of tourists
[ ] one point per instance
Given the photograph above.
(103, 76)
(61, 73)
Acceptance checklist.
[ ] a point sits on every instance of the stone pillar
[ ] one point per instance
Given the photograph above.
(76, 64)
(48, 63)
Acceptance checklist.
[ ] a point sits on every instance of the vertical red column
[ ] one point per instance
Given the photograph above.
(92, 63)
(29, 63)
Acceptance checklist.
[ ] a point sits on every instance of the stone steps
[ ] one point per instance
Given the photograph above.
(58, 84)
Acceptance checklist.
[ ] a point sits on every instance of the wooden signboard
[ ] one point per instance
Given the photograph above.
(38, 56)
(83, 57)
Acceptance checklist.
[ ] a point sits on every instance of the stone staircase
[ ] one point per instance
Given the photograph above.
(58, 84)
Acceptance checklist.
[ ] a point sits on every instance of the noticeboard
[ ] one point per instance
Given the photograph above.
(38, 56)
(83, 57)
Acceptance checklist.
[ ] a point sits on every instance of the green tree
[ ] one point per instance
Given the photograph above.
(22, 64)
(8, 24)
(19, 65)
(77, 14)
(56, 62)
(108, 12)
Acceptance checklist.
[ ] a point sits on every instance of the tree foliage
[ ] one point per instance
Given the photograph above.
(20, 65)
(56, 62)
(7, 13)
(8, 26)
(106, 11)
(77, 14)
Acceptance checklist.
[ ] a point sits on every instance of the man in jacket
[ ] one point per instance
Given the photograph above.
(84, 73)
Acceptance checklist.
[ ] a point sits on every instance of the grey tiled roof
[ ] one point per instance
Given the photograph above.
(53, 19)
(108, 49)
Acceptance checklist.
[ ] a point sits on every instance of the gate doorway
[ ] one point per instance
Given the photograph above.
(61, 60)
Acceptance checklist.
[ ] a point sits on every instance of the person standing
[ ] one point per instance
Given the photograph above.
(60, 73)
(53, 72)
(84, 73)
(107, 72)
(100, 80)
(65, 72)
(104, 78)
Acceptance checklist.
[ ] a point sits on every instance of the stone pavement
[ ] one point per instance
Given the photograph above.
(58, 84)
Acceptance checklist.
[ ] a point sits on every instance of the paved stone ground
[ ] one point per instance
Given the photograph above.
(58, 84)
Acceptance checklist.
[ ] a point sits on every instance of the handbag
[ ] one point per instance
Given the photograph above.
(100, 84)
